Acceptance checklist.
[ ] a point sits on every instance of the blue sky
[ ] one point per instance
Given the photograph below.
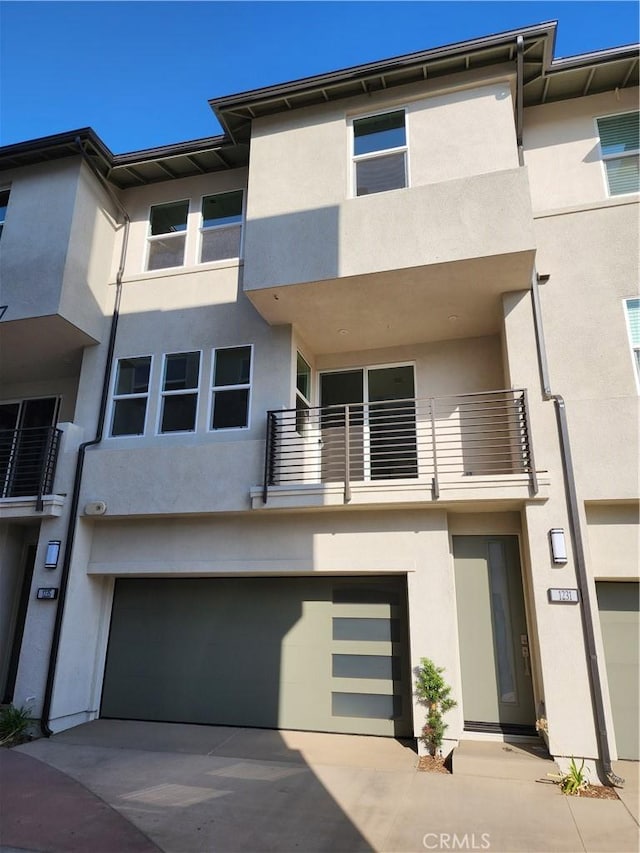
(140, 73)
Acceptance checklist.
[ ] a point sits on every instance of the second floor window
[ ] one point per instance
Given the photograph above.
(380, 153)
(180, 392)
(221, 227)
(4, 203)
(620, 146)
(131, 396)
(167, 235)
(231, 388)
(632, 307)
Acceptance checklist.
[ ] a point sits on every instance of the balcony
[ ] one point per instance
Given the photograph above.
(28, 460)
(460, 448)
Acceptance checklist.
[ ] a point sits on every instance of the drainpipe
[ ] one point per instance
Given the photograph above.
(75, 494)
(576, 539)
(520, 97)
(595, 682)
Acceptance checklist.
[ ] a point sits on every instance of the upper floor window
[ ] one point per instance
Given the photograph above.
(231, 387)
(130, 396)
(303, 392)
(620, 145)
(632, 307)
(380, 153)
(4, 203)
(221, 227)
(180, 392)
(167, 235)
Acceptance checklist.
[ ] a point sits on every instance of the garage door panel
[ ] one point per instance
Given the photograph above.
(253, 652)
(618, 603)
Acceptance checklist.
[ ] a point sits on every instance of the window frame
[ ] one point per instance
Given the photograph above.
(202, 229)
(162, 394)
(357, 158)
(302, 413)
(604, 158)
(633, 348)
(239, 387)
(157, 237)
(4, 191)
(116, 397)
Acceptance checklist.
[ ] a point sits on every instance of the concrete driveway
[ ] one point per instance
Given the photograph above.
(198, 788)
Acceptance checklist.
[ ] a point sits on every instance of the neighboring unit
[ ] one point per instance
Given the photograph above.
(277, 427)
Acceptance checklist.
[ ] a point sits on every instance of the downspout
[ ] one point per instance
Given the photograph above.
(595, 682)
(577, 541)
(75, 494)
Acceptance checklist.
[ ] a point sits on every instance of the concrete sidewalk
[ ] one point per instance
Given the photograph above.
(200, 788)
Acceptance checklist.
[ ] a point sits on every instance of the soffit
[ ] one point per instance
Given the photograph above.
(545, 79)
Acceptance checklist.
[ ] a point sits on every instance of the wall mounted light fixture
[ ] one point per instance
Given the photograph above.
(52, 555)
(558, 545)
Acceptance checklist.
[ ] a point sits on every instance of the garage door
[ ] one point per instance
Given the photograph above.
(620, 623)
(321, 654)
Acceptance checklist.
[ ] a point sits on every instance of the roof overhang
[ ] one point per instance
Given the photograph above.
(545, 79)
(182, 160)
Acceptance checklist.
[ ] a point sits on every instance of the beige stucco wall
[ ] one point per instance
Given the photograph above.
(562, 150)
(592, 258)
(614, 541)
(462, 163)
(139, 201)
(57, 245)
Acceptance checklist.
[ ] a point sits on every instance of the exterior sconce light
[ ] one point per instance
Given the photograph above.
(52, 555)
(558, 545)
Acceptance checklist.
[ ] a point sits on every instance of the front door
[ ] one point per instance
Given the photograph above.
(382, 423)
(497, 689)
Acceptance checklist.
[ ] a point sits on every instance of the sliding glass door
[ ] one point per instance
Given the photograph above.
(381, 437)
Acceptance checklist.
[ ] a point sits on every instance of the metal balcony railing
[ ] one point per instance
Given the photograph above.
(28, 462)
(439, 439)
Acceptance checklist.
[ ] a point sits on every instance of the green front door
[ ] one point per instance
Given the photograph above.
(494, 646)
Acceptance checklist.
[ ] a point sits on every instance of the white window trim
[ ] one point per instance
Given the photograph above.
(152, 238)
(181, 392)
(202, 229)
(357, 158)
(633, 348)
(213, 388)
(115, 397)
(605, 157)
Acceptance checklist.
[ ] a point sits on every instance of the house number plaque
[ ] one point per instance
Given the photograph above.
(563, 596)
(49, 593)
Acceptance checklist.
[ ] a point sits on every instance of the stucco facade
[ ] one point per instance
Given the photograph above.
(373, 393)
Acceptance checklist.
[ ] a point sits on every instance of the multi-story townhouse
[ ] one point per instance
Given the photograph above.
(355, 383)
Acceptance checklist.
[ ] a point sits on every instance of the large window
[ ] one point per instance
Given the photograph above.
(167, 235)
(620, 146)
(231, 388)
(380, 153)
(180, 392)
(632, 307)
(4, 203)
(221, 227)
(130, 396)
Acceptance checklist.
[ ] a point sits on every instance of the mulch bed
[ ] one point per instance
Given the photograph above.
(433, 764)
(597, 792)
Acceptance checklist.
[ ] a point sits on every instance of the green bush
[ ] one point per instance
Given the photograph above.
(14, 724)
(435, 694)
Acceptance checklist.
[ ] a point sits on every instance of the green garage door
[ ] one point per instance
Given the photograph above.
(620, 622)
(321, 654)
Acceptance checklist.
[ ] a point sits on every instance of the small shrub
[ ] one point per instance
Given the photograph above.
(14, 724)
(574, 780)
(434, 693)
